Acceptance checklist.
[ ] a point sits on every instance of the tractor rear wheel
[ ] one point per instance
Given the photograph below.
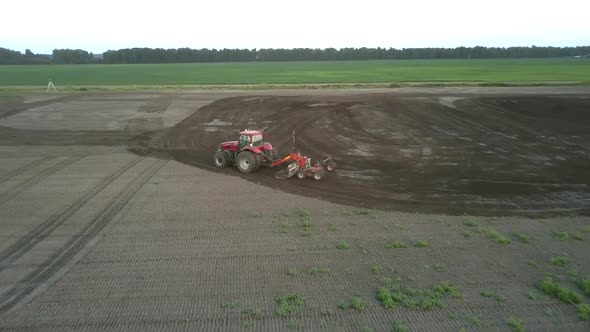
(221, 159)
(246, 162)
(258, 159)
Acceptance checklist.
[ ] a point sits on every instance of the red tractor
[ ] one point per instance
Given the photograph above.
(248, 153)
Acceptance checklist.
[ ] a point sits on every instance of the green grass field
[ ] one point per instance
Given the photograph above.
(574, 70)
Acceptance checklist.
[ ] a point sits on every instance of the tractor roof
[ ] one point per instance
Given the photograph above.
(249, 132)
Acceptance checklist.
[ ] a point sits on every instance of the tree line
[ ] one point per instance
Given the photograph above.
(61, 57)
(187, 55)
(183, 55)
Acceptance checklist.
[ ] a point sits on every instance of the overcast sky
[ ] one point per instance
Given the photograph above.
(97, 26)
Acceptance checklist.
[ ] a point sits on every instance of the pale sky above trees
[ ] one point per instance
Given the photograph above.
(97, 26)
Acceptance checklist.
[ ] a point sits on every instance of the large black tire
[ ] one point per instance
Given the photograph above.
(258, 159)
(301, 175)
(246, 162)
(221, 159)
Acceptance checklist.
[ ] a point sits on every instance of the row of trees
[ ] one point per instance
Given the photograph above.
(159, 55)
(67, 56)
(10, 57)
(184, 55)
(64, 56)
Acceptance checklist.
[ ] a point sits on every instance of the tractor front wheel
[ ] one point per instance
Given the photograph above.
(221, 159)
(246, 162)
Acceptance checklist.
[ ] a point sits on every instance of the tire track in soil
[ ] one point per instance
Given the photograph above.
(24, 168)
(16, 109)
(42, 231)
(19, 188)
(60, 259)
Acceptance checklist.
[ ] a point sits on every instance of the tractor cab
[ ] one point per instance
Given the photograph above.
(250, 137)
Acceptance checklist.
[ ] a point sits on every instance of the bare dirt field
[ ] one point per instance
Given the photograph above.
(457, 153)
(448, 210)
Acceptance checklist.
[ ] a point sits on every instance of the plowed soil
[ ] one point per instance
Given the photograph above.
(486, 155)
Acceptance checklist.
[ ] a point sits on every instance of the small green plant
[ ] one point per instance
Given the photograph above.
(548, 312)
(331, 227)
(584, 285)
(453, 315)
(324, 323)
(561, 236)
(522, 238)
(532, 295)
(292, 272)
(572, 273)
(550, 287)
(306, 223)
(304, 213)
(365, 327)
(586, 229)
(365, 212)
(399, 326)
(343, 245)
(578, 236)
(289, 303)
(487, 294)
(377, 269)
(248, 323)
(327, 312)
(421, 244)
(515, 324)
(474, 319)
(231, 304)
(315, 271)
(559, 261)
(426, 299)
(356, 302)
(494, 235)
(294, 324)
(584, 311)
(347, 212)
(395, 245)
(440, 267)
(470, 223)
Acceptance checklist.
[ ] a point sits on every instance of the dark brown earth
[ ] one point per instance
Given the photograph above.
(486, 155)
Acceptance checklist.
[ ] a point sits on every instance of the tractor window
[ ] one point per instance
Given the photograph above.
(257, 139)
